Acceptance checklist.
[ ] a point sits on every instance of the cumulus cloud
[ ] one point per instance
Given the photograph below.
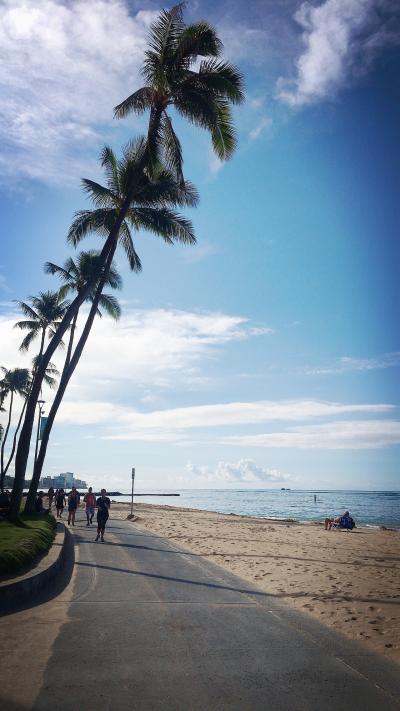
(356, 434)
(156, 348)
(63, 66)
(245, 470)
(341, 38)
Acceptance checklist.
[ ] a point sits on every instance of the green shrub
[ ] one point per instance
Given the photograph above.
(21, 545)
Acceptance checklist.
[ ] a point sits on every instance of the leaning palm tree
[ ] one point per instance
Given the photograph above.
(74, 275)
(14, 382)
(50, 379)
(201, 92)
(43, 316)
(217, 119)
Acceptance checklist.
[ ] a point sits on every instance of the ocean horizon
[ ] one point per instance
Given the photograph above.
(372, 508)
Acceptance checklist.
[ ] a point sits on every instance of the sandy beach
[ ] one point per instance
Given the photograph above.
(349, 581)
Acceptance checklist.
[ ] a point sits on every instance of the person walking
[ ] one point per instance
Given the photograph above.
(50, 496)
(60, 502)
(90, 501)
(103, 504)
(73, 501)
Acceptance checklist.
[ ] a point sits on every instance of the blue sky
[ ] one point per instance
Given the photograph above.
(268, 355)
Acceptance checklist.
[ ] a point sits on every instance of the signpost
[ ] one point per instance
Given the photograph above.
(133, 484)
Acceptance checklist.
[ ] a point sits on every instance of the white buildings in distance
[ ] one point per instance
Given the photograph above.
(62, 481)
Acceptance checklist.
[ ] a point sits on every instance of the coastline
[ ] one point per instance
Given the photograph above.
(349, 581)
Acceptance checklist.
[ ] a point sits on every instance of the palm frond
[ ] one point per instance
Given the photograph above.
(29, 338)
(24, 325)
(126, 242)
(222, 78)
(99, 195)
(87, 221)
(223, 134)
(198, 39)
(138, 103)
(165, 223)
(110, 305)
(171, 147)
(27, 310)
(61, 272)
(110, 164)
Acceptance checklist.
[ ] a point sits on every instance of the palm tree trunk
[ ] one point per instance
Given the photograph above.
(4, 440)
(14, 444)
(40, 457)
(65, 378)
(21, 457)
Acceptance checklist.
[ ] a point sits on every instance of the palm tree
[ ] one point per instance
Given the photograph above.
(203, 96)
(44, 314)
(193, 43)
(74, 275)
(14, 382)
(50, 380)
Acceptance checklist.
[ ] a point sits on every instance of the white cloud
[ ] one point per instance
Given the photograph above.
(155, 348)
(264, 122)
(346, 364)
(63, 66)
(245, 470)
(341, 39)
(177, 421)
(365, 434)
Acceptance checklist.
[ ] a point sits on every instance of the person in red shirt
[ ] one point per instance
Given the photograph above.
(90, 501)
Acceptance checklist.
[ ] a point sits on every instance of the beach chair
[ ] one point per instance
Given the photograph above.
(345, 523)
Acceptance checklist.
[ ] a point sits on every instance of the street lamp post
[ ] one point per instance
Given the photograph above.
(41, 413)
(133, 484)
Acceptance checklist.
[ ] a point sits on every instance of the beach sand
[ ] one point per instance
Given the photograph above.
(348, 581)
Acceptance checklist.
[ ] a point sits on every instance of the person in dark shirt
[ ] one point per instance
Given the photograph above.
(60, 502)
(103, 504)
(39, 508)
(73, 503)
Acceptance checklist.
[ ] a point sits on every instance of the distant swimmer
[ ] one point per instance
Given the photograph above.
(103, 504)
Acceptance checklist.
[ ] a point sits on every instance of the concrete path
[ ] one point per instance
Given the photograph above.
(143, 625)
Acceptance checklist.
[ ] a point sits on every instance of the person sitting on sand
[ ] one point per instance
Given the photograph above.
(345, 521)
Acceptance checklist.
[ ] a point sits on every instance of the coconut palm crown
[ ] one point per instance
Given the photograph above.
(44, 313)
(152, 207)
(201, 92)
(76, 273)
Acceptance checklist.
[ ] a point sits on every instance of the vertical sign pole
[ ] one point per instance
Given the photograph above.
(133, 483)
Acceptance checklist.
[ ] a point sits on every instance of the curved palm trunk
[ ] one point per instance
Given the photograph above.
(14, 444)
(21, 457)
(39, 457)
(65, 378)
(4, 440)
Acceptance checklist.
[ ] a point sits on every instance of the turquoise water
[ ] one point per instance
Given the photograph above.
(375, 508)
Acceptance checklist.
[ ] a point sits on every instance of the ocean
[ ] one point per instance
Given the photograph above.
(373, 508)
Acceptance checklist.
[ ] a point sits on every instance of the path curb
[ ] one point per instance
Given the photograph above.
(23, 586)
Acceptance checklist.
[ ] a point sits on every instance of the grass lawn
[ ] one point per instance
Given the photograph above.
(20, 546)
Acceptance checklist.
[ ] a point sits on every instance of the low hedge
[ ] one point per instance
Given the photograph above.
(21, 545)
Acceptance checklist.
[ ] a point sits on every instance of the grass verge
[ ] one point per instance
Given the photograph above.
(20, 546)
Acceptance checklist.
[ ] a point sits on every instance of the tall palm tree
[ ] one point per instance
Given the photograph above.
(201, 92)
(217, 119)
(49, 379)
(74, 275)
(44, 314)
(14, 382)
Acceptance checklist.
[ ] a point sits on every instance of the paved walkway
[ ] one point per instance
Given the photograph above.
(143, 625)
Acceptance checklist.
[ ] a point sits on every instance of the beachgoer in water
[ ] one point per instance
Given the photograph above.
(60, 502)
(344, 521)
(73, 501)
(90, 501)
(103, 506)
